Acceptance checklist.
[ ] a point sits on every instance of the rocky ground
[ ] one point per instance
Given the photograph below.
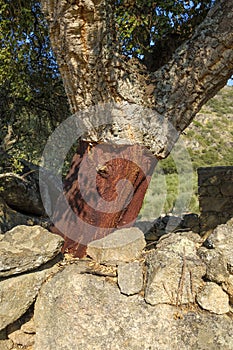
(175, 293)
(153, 286)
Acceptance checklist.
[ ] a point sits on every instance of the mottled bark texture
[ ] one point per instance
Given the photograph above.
(84, 40)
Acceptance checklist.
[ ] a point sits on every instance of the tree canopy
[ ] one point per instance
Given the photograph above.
(152, 30)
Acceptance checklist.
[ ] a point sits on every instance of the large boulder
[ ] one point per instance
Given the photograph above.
(10, 218)
(78, 311)
(22, 192)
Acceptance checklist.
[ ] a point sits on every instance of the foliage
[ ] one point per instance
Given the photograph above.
(147, 27)
(32, 97)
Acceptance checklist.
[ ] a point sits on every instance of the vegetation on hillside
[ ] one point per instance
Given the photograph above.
(209, 141)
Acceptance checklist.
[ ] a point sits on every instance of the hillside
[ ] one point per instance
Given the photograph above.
(210, 137)
(209, 142)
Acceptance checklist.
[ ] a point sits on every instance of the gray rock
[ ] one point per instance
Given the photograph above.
(22, 339)
(213, 298)
(222, 238)
(148, 227)
(154, 229)
(130, 277)
(191, 222)
(29, 327)
(85, 312)
(22, 192)
(173, 223)
(10, 218)
(216, 264)
(17, 295)
(6, 344)
(174, 272)
(121, 245)
(228, 287)
(24, 248)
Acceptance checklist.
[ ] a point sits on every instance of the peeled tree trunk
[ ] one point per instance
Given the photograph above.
(146, 110)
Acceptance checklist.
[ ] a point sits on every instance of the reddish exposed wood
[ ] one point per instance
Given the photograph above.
(124, 163)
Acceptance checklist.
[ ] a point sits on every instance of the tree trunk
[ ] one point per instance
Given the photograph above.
(106, 203)
(153, 108)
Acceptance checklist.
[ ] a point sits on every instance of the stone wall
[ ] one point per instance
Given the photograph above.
(123, 295)
(215, 187)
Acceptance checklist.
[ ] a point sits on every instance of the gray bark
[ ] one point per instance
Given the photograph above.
(83, 38)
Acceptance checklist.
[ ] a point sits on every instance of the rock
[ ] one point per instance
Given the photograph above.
(86, 312)
(22, 331)
(191, 222)
(17, 295)
(121, 245)
(214, 204)
(29, 327)
(153, 230)
(222, 238)
(10, 218)
(174, 271)
(228, 287)
(213, 298)
(148, 227)
(216, 264)
(6, 344)
(173, 223)
(22, 339)
(22, 192)
(130, 277)
(24, 248)
(180, 242)
(227, 189)
(209, 220)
